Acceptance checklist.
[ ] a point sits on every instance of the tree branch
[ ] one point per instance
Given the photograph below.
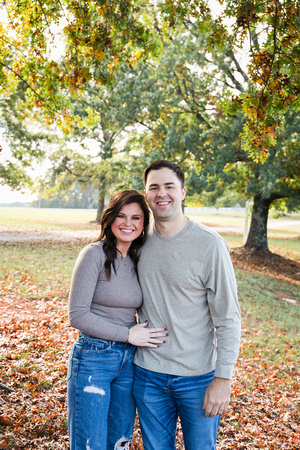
(45, 16)
(28, 85)
(231, 54)
(6, 388)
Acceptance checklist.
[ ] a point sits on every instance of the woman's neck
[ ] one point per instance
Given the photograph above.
(123, 249)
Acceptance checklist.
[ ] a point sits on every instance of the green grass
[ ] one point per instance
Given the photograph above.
(266, 372)
(48, 219)
(224, 219)
(234, 218)
(37, 270)
(281, 241)
(288, 247)
(284, 247)
(270, 322)
(65, 219)
(284, 241)
(43, 270)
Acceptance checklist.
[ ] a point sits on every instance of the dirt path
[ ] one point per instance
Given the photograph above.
(21, 234)
(12, 234)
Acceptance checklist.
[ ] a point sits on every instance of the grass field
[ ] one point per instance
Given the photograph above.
(284, 239)
(48, 219)
(265, 411)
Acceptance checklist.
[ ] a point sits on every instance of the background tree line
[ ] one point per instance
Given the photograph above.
(138, 82)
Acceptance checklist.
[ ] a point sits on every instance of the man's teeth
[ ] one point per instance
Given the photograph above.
(162, 203)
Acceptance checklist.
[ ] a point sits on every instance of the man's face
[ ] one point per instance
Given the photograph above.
(164, 194)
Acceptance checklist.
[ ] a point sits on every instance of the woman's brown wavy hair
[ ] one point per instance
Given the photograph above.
(109, 215)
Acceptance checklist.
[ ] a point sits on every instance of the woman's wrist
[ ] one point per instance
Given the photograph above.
(128, 335)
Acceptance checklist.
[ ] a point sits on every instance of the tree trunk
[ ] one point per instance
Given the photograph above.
(101, 197)
(246, 226)
(100, 206)
(257, 237)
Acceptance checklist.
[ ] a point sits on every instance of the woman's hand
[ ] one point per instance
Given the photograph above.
(146, 337)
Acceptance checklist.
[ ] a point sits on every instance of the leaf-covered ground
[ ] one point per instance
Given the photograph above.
(36, 339)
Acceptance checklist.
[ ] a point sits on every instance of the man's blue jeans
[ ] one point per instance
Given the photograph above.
(101, 406)
(162, 398)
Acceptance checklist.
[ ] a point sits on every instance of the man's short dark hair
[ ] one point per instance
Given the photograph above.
(161, 164)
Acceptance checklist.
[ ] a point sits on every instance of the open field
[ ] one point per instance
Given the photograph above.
(48, 218)
(283, 233)
(65, 219)
(35, 336)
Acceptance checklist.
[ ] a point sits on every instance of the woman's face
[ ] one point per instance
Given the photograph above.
(128, 225)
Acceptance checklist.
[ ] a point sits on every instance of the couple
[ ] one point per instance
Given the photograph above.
(187, 338)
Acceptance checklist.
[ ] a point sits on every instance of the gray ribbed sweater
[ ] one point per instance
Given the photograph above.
(101, 308)
(189, 286)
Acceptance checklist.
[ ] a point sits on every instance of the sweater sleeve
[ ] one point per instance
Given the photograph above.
(224, 307)
(84, 279)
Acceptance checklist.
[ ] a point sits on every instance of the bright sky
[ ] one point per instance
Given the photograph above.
(9, 196)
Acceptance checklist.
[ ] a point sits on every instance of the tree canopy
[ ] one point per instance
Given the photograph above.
(101, 36)
(171, 109)
(217, 92)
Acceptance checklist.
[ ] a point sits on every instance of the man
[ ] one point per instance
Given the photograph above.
(189, 287)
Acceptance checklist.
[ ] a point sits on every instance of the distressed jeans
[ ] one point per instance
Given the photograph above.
(162, 398)
(101, 406)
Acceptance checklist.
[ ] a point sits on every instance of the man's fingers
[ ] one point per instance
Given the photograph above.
(216, 410)
(211, 411)
(217, 397)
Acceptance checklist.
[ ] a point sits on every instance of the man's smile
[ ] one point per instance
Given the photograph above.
(163, 203)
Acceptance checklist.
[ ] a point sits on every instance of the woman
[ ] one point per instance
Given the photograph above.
(104, 296)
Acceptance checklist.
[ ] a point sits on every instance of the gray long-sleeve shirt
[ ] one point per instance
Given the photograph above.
(101, 308)
(189, 286)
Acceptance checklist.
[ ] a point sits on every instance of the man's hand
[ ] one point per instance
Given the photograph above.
(217, 397)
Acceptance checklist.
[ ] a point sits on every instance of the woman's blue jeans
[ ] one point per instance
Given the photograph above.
(162, 398)
(101, 406)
